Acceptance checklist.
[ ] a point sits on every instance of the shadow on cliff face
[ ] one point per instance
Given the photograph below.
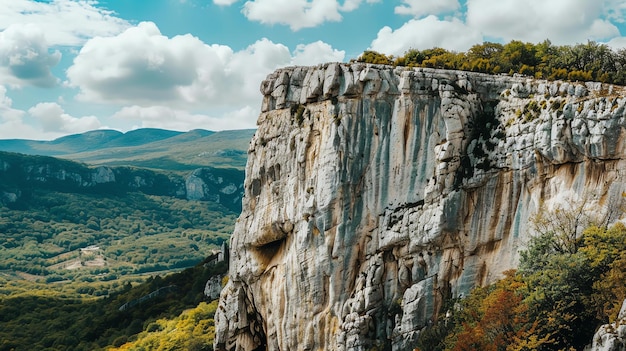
(269, 243)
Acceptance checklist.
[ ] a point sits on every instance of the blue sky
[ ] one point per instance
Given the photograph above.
(68, 66)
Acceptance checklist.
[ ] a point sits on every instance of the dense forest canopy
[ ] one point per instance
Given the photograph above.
(179, 319)
(591, 61)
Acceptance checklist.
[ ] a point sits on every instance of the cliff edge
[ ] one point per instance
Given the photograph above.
(373, 194)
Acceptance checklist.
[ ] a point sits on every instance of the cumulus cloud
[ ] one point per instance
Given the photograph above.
(142, 67)
(420, 8)
(7, 113)
(351, 5)
(13, 124)
(54, 119)
(65, 22)
(25, 58)
(315, 53)
(178, 119)
(297, 14)
(617, 43)
(561, 21)
(426, 33)
(145, 71)
(141, 64)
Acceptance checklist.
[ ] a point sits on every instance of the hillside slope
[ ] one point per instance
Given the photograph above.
(20, 174)
(146, 148)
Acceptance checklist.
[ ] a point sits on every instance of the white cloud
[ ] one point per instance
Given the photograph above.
(561, 21)
(54, 119)
(351, 5)
(615, 10)
(420, 8)
(7, 113)
(314, 12)
(13, 125)
(297, 14)
(16, 129)
(65, 22)
(25, 58)
(142, 67)
(617, 43)
(315, 53)
(426, 33)
(246, 70)
(176, 119)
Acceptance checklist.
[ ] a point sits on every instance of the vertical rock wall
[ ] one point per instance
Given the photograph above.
(374, 193)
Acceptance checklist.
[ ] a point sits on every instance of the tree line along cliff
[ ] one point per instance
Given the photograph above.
(590, 61)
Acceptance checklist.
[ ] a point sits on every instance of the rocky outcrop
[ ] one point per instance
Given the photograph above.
(207, 184)
(213, 287)
(373, 194)
(611, 337)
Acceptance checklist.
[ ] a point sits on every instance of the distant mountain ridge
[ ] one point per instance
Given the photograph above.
(145, 147)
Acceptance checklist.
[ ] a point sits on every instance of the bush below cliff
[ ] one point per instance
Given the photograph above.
(555, 301)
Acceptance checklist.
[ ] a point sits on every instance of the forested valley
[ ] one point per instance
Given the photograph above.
(179, 318)
(89, 268)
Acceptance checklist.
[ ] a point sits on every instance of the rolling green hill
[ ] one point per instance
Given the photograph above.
(146, 148)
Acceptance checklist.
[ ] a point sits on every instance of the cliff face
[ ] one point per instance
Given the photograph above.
(373, 193)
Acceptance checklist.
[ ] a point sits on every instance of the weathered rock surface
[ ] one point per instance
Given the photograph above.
(374, 193)
(611, 337)
(213, 287)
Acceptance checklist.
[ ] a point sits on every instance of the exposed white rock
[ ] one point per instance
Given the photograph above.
(9, 197)
(196, 187)
(374, 193)
(229, 189)
(213, 287)
(611, 337)
(102, 175)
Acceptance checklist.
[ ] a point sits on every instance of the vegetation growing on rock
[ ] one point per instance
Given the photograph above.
(591, 61)
(565, 288)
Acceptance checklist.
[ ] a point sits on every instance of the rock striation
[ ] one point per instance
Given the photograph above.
(373, 194)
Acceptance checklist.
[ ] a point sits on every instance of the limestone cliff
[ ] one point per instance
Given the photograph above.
(374, 193)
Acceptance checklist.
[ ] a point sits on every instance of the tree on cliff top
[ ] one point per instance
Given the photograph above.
(591, 61)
